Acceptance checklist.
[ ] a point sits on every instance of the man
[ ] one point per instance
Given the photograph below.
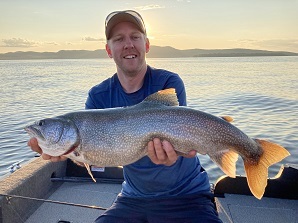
(161, 187)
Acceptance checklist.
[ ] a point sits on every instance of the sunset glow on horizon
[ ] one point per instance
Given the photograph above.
(50, 26)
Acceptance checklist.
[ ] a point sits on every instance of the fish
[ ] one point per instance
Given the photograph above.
(119, 136)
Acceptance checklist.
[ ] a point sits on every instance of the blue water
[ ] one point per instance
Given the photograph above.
(260, 93)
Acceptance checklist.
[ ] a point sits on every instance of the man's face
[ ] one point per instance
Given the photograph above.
(128, 47)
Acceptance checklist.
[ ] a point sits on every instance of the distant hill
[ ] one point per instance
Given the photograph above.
(168, 52)
(155, 52)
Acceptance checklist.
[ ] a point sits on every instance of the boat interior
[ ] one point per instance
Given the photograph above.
(42, 191)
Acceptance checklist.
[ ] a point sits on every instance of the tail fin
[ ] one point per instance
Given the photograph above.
(257, 174)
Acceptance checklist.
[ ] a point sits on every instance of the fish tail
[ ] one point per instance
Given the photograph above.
(257, 173)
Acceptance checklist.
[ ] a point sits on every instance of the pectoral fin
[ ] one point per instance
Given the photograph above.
(226, 160)
(89, 171)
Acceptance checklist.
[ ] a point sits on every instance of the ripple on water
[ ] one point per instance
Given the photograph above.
(261, 94)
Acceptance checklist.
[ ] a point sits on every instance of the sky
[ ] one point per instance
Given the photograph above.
(50, 26)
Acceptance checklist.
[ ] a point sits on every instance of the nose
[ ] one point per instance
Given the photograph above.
(128, 44)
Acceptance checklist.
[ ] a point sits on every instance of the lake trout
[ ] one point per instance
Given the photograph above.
(119, 136)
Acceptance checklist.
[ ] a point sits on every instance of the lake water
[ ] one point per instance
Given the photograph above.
(260, 93)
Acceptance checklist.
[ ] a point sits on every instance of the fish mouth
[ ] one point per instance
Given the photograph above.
(33, 131)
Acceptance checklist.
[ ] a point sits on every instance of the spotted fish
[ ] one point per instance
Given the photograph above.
(119, 136)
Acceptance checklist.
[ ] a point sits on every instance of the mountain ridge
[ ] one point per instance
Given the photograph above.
(155, 52)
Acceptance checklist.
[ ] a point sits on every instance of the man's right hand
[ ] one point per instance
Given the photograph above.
(35, 147)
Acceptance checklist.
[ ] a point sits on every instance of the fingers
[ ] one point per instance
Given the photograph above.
(191, 154)
(170, 152)
(33, 143)
(53, 158)
(161, 152)
(151, 152)
(56, 158)
(46, 156)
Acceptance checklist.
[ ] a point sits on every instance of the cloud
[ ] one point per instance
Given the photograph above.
(149, 7)
(88, 38)
(24, 43)
(155, 6)
(19, 42)
(52, 43)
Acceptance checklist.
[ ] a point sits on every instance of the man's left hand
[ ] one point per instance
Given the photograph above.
(162, 152)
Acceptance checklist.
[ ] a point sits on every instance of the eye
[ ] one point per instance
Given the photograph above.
(41, 123)
(118, 39)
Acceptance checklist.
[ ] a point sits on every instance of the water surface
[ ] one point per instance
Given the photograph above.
(260, 93)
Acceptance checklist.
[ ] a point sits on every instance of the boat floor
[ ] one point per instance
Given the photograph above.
(85, 193)
(232, 208)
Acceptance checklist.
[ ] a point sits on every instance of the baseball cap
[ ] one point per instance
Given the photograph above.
(123, 16)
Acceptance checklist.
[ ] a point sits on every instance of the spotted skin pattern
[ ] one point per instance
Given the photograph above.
(119, 136)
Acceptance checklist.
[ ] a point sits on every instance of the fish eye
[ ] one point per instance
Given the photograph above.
(41, 123)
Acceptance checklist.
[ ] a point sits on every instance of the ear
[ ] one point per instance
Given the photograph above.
(109, 51)
(147, 45)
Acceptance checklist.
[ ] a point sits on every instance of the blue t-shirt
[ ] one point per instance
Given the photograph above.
(144, 178)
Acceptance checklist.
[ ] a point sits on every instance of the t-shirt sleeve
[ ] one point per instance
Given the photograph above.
(89, 104)
(96, 99)
(98, 96)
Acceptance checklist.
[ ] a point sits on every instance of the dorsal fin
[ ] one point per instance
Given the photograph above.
(227, 118)
(167, 97)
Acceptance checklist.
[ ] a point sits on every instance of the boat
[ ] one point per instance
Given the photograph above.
(235, 203)
(47, 192)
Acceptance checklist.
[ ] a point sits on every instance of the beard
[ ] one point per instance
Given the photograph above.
(131, 68)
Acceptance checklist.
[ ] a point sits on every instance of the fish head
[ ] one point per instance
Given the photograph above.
(55, 136)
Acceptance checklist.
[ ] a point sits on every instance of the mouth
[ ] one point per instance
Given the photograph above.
(34, 132)
(130, 56)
